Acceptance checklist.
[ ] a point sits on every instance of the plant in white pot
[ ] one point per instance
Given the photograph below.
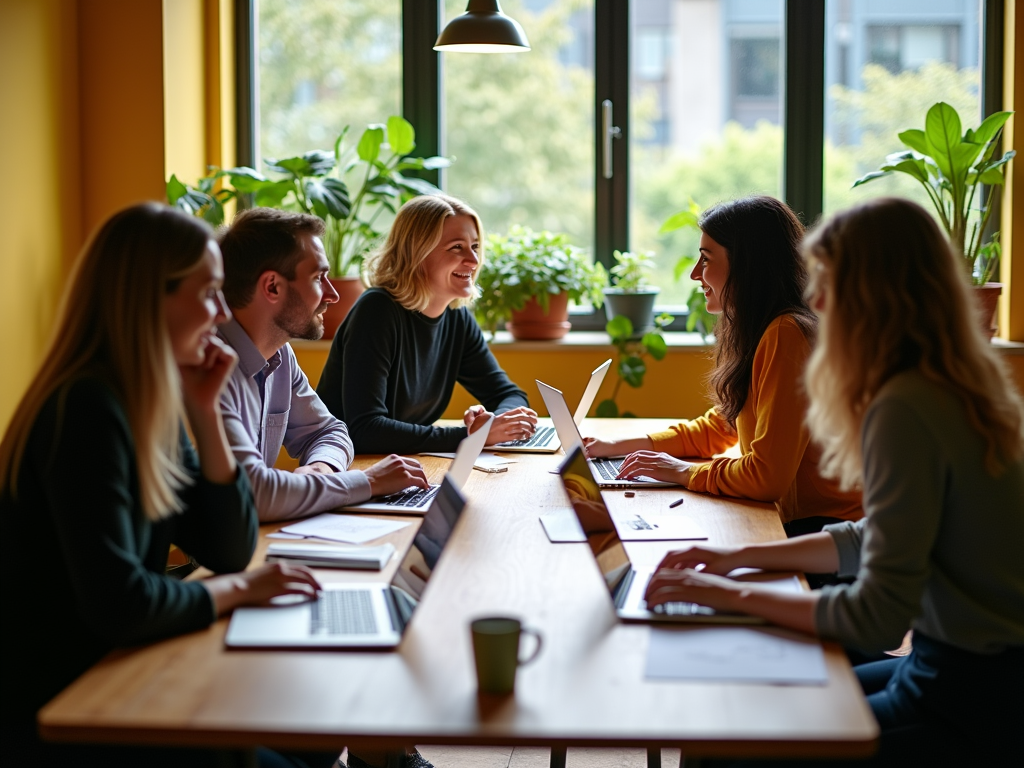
(632, 295)
(528, 279)
(955, 169)
(321, 183)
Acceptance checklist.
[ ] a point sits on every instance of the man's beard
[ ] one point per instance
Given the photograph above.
(295, 320)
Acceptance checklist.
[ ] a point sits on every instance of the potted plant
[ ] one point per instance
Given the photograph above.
(956, 170)
(528, 279)
(632, 296)
(698, 318)
(322, 183)
(632, 353)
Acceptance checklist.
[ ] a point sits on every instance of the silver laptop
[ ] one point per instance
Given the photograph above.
(416, 501)
(357, 615)
(625, 584)
(545, 439)
(605, 470)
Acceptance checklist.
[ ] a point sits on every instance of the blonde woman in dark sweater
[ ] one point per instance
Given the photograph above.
(909, 402)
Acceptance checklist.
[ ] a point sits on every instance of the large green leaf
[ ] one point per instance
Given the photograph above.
(678, 221)
(607, 409)
(915, 139)
(619, 327)
(318, 162)
(175, 190)
(632, 370)
(401, 136)
(942, 129)
(270, 194)
(992, 176)
(915, 168)
(683, 266)
(655, 344)
(369, 143)
(329, 197)
(416, 186)
(869, 177)
(990, 126)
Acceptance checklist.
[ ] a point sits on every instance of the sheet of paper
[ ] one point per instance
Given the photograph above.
(735, 654)
(283, 535)
(563, 527)
(351, 529)
(484, 462)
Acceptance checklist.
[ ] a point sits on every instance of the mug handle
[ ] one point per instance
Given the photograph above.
(536, 651)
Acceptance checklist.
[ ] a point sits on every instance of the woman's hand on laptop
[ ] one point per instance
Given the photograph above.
(657, 466)
(260, 585)
(516, 424)
(717, 560)
(394, 474)
(599, 449)
(669, 585)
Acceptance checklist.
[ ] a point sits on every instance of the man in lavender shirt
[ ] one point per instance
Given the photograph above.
(275, 281)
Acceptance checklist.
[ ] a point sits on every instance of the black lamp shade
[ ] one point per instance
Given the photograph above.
(483, 28)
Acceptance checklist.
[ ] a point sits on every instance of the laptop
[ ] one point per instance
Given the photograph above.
(545, 439)
(416, 501)
(605, 470)
(625, 584)
(358, 614)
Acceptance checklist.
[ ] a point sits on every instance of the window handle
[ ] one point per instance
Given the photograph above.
(610, 132)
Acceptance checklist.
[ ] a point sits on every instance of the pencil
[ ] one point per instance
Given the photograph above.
(676, 503)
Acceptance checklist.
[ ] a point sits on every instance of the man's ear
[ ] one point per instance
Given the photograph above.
(270, 285)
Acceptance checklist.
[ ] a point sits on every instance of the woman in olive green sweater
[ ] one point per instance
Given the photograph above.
(98, 478)
(910, 402)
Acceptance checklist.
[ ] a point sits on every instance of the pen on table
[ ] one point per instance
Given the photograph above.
(676, 503)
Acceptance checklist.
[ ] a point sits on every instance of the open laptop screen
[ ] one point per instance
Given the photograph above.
(585, 497)
(412, 575)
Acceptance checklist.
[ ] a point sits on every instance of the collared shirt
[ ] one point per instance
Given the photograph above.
(268, 404)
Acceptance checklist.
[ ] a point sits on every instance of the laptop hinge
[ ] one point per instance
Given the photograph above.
(622, 591)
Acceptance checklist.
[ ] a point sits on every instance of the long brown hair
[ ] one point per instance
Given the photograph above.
(767, 278)
(111, 319)
(896, 299)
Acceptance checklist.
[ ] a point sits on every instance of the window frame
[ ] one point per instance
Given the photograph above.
(803, 107)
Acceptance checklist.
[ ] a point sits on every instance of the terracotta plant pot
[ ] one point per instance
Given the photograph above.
(532, 324)
(349, 289)
(988, 298)
(638, 307)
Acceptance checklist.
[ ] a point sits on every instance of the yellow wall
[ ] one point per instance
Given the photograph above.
(39, 222)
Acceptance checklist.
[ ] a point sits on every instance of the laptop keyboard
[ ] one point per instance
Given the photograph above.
(606, 468)
(343, 612)
(414, 498)
(541, 437)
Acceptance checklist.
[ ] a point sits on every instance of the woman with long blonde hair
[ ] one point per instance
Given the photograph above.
(411, 337)
(911, 404)
(97, 472)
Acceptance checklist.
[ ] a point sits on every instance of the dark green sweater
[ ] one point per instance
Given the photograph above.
(391, 373)
(83, 567)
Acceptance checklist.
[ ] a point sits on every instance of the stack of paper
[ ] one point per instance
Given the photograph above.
(351, 529)
(330, 556)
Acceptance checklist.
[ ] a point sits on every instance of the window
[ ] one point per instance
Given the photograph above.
(882, 77)
(698, 92)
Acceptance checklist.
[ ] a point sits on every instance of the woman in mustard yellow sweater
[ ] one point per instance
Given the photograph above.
(753, 277)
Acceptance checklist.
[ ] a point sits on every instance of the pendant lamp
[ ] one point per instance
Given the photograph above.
(483, 28)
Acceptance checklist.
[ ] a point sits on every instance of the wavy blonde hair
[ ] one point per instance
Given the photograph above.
(897, 299)
(111, 320)
(397, 266)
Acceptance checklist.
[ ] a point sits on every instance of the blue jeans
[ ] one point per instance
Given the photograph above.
(939, 706)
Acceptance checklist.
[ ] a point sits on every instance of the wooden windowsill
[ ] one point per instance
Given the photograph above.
(591, 340)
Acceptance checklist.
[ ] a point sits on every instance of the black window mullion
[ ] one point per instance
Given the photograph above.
(247, 106)
(993, 21)
(421, 78)
(804, 109)
(611, 82)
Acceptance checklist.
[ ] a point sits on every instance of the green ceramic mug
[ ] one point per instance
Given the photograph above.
(496, 651)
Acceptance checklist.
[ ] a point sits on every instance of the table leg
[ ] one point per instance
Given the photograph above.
(654, 757)
(558, 757)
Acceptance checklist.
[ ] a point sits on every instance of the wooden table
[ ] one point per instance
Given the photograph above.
(587, 688)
